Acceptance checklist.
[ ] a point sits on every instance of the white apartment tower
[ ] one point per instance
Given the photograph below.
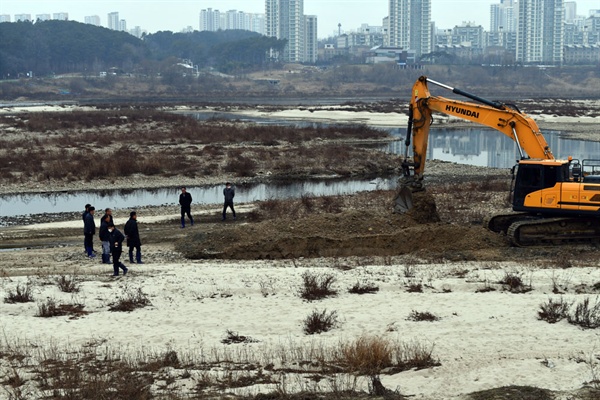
(285, 20)
(61, 16)
(92, 20)
(210, 20)
(311, 41)
(409, 25)
(113, 21)
(503, 16)
(540, 30)
(43, 17)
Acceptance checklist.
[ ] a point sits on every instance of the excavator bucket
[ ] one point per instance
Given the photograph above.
(403, 201)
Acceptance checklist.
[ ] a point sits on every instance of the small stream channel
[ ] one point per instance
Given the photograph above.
(472, 146)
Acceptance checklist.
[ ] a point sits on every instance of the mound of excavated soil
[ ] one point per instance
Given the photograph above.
(348, 233)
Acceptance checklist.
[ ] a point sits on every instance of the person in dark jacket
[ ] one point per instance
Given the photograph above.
(185, 200)
(89, 230)
(133, 238)
(228, 194)
(85, 212)
(103, 234)
(105, 238)
(116, 248)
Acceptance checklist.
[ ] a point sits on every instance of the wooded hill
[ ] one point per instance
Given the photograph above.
(58, 47)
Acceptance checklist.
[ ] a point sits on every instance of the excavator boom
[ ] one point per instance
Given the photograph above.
(502, 117)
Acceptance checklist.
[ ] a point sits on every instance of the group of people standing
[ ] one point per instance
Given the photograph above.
(112, 239)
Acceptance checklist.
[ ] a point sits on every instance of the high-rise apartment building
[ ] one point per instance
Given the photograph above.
(503, 16)
(92, 20)
(61, 16)
(570, 11)
(311, 41)
(285, 19)
(210, 20)
(113, 21)
(4, 17)
(540, 38)
(22, 17)
(43, 17)
(409, 25)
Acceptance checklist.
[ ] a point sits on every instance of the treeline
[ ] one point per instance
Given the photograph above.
(58, 47)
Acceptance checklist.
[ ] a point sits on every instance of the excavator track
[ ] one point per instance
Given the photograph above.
(545, 231)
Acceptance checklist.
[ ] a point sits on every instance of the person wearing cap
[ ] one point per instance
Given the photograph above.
(133, 238)
(228, 194)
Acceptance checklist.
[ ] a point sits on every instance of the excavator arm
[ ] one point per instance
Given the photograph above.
(502, 117)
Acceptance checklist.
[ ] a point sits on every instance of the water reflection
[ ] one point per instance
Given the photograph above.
(489, 148)
(74, 201)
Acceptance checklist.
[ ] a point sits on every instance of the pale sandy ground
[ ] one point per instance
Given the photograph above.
(482, 340)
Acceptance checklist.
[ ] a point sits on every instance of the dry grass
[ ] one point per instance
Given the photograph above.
(21, 294)
(418, 316)
(363, 288)
(553, 311)
(586, 315)
(73, 146)
(98, 371)
(130, 300)
(320, 321)
(317, 286)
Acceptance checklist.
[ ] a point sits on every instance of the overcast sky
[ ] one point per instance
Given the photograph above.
(175, 15)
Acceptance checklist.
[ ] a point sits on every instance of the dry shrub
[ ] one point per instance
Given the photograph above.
(20, 295)
(514, 283)
(129, 301)
(585, 315)
(319, 322)
(317, 286)
(367, 355)
(234, 338)
(50, 309)
(362, 288)
(418, 316)
(414, 288)
(68, 284)
(553, 311)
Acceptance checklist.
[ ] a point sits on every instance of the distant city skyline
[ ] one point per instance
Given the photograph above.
(177, 15)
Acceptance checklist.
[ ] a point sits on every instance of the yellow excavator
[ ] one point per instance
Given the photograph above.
(555, 201)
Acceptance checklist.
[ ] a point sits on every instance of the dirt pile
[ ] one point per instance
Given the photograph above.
(361, 231)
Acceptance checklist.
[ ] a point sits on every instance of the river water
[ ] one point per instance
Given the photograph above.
(472, 146)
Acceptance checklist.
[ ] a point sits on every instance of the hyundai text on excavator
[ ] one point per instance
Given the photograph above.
(555, 201)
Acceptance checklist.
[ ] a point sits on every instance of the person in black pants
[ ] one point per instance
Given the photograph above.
(85, 212)
(116, 248)
(133, 238)
(89, 230)
(228, 194)
(185, 200)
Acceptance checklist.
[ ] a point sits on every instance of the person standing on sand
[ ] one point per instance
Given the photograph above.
(85, 212)
(185, 200)
(133, 238)
(89, 230)
(105, 238)
(228, 194)
(116, 248)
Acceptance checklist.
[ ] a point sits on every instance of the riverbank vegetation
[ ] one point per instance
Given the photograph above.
(63, 146)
